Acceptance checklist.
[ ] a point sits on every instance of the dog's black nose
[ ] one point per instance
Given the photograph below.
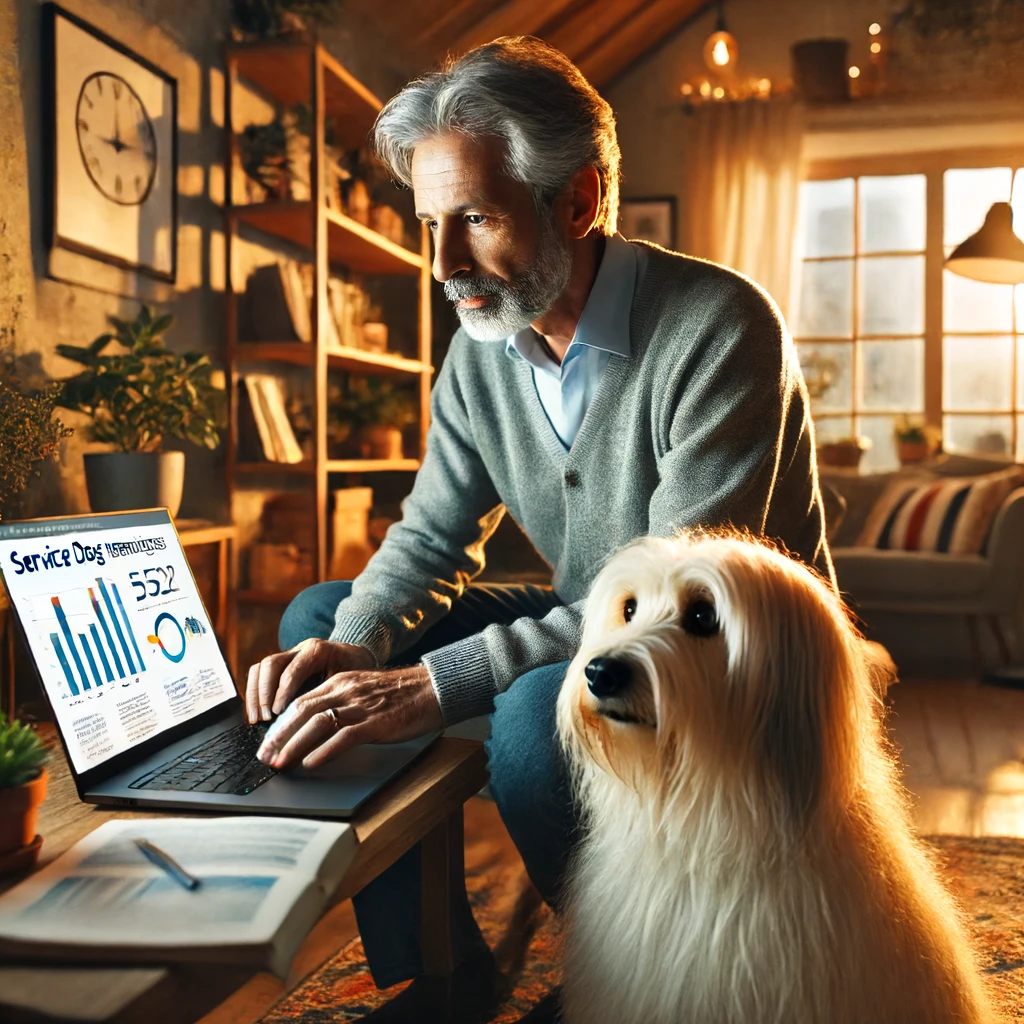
(607, 677)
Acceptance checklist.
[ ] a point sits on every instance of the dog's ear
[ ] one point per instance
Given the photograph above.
(807, 672)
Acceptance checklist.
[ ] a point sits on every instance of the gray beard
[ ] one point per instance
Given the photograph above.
(514, 305)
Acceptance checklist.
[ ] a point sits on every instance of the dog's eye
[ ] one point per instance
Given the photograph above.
(629, 609)
(700, 619)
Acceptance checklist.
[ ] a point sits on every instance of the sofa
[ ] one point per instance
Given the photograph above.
(936, 613)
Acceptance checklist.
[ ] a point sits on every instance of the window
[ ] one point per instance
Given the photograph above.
(982, 324)
(860, 326)
(882, 330)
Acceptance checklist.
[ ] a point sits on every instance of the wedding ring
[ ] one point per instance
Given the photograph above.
(333, 712)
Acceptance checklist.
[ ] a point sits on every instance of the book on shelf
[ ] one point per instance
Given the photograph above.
(331, 338)
(349, 304)
(267, 409)
(263, 884)
(277, 307)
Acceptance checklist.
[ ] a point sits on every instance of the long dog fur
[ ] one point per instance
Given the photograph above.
(748, 855)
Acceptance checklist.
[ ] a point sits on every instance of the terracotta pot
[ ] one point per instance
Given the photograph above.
(19, 813)
(383, 442)
(912, 451)
(841, 454)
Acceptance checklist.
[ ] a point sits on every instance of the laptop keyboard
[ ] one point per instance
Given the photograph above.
(225, 764)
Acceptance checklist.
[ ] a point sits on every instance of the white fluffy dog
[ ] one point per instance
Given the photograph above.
(748, 855)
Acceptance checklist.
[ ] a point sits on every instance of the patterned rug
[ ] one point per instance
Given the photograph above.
(986, 875)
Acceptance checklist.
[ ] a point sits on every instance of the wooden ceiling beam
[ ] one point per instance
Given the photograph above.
(514, 18)
(438, 29)
(586, 28)
(645, 29)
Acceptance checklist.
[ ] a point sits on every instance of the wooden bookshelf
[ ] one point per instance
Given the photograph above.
(349, 243)
(333, 466)
(352, 360)
(281, 71)
(288, 73)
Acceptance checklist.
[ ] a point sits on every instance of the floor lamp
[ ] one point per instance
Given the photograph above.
(996, 255)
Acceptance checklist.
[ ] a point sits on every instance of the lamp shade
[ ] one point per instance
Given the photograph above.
(993, 253)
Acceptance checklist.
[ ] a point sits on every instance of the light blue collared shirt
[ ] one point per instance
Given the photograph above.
(566, 391)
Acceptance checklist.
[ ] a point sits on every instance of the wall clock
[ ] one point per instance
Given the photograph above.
(113, 149)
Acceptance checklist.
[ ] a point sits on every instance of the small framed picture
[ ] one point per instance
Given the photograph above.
(652, 218)
(113, 149)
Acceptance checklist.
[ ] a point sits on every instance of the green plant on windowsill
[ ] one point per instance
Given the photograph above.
(916, 439)
(135, 396)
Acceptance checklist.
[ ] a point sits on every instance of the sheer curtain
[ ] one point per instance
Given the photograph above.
(741, 190)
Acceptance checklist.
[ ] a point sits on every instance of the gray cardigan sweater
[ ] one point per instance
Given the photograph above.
(705, 424)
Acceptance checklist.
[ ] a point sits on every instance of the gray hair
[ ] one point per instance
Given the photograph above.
(526, 93)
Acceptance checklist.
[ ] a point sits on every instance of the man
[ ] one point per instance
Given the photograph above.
(598, 390)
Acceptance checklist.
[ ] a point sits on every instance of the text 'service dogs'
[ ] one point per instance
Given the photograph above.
(749, 856)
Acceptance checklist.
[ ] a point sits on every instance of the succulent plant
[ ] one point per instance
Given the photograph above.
(22, 754)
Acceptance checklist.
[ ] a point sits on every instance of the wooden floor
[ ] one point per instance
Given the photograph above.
(962, 749)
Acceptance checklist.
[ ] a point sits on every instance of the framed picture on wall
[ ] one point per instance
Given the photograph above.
(652, 218)
(113, 149)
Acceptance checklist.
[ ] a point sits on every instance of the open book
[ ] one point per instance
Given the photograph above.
(263, 884)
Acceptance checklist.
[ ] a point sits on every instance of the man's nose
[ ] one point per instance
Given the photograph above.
(451, 254)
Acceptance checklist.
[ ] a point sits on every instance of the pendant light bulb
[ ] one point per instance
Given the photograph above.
(721, 50)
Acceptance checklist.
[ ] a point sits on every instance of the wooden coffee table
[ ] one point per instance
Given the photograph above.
(424, 804)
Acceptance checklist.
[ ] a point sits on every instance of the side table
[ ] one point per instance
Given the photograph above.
(423, 804)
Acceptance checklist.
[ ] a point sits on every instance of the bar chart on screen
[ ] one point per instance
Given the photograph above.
(91, 637)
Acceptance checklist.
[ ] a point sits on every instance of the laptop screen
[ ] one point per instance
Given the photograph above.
(116, 628)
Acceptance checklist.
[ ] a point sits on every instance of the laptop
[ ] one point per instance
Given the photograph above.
(143, 700)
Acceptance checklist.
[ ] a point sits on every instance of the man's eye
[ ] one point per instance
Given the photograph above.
(475, 219)
(432, 224)
(629, 609)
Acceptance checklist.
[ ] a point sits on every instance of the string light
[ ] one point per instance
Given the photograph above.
(719, 92)
(876, 47)
(854, 71)
(874, 28)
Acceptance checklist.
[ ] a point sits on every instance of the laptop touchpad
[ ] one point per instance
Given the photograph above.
(371, 761)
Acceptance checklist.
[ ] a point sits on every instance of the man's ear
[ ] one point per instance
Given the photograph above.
(581, 202)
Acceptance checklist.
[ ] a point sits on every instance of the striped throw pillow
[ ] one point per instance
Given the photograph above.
(946, 514)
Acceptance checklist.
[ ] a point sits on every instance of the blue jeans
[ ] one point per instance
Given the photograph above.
(528, 779)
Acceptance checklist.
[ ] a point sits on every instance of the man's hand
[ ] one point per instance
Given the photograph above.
(273, 682)
(351, 708)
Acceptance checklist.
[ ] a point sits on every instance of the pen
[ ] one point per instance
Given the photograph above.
(167, 863)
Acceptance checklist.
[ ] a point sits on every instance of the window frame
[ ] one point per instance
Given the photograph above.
(932, 164)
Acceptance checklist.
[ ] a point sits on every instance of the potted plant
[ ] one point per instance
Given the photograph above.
(135, 396)
(269, 19)
(29, 432)
(843, 452)
(378, 410)
(263, 153)
(915, 439)
(22, 788)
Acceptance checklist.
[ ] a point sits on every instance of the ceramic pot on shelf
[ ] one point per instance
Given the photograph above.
(382, 442)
